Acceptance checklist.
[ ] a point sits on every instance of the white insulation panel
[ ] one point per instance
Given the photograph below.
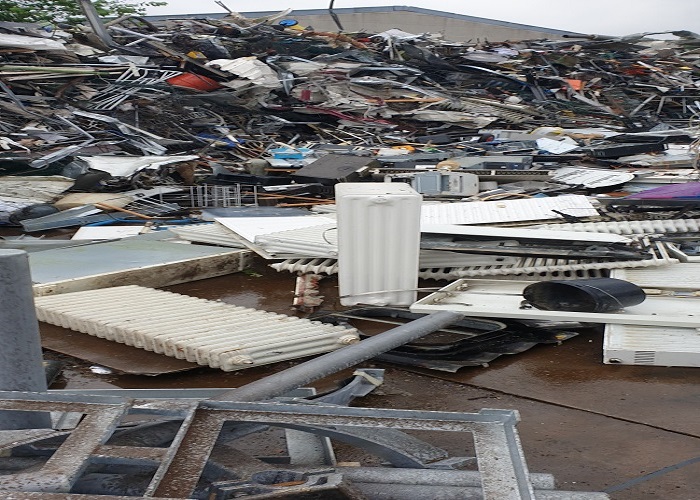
(201, 331)
(378, 243)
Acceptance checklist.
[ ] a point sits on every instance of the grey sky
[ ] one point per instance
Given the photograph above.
(613, 17)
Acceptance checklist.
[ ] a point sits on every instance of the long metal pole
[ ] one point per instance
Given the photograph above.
(333, 362)
(21, 366)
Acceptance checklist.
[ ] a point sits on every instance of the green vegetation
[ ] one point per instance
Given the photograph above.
(67, 11)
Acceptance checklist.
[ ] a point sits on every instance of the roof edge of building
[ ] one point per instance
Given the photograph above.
(362, 10)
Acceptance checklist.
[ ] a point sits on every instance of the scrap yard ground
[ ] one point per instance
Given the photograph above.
(631, 430)
(206, 202)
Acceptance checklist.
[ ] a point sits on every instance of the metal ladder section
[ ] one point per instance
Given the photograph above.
(499, 455)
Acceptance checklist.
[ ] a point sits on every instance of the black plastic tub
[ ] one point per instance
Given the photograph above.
(597, 295)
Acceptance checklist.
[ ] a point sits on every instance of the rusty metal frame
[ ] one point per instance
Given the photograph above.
(499, 455)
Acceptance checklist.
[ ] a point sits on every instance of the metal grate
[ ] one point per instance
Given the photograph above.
(215, 196)
(644, 357)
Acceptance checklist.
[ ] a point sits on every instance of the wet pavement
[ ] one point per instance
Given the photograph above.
(628, 430)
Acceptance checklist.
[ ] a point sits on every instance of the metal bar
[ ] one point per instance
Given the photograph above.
(173, 449)
(299, 375)
(21, 367)
(185, 469)
(95, 22)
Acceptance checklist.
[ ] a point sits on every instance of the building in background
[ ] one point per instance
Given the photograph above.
(456, 27)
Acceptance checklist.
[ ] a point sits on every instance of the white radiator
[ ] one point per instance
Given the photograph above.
(202, 331)
(378, 243)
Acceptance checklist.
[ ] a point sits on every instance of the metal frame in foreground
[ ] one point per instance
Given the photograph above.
(500, 458)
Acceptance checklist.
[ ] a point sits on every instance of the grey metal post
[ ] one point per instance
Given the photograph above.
(96, 23)
(299, 375)
(21, 366)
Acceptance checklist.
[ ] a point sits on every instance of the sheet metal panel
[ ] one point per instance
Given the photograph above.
(504, 299)
(131, 261)
(484, 212)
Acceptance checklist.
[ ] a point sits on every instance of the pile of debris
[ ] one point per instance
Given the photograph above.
(556, 181)
(543, 159)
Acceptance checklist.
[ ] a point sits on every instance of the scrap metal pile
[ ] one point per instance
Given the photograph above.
(191, 120)
(233, 89)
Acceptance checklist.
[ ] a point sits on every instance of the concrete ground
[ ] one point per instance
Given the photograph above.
(628, 430)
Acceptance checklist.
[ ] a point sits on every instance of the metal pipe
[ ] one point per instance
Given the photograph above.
(299, 375)
(21, 366)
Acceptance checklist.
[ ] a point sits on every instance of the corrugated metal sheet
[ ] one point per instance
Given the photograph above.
(206, 332)
(378, 243)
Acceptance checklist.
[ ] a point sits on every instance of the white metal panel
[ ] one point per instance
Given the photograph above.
(251, 227)
(378, 243)
(482, 212)
(504, 299)
(134, 261)
(213, 234)
(645, 345)
(107, 232)
(206, 332)
(683, 276)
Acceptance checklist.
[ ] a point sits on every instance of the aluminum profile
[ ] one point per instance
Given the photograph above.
(651, 346)
(632, 227)
(212, 234)
(378, 243)
(201, 331)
